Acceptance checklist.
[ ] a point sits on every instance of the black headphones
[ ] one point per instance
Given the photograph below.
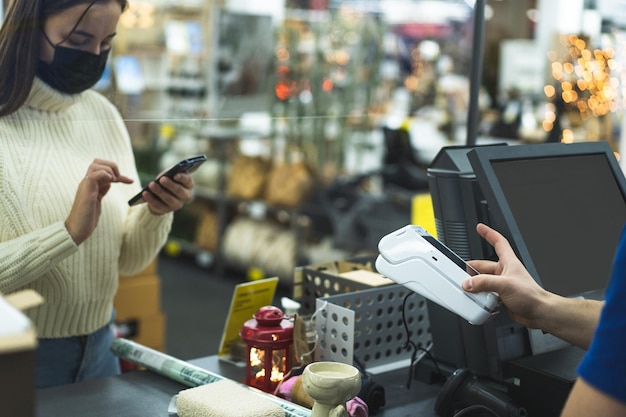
(464, 395)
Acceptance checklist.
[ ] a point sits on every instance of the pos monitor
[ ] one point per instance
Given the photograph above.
(458, 205)
(562, 207)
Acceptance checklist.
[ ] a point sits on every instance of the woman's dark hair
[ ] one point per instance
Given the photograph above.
(19, 46)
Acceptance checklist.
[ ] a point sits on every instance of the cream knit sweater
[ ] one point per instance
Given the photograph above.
(47, 146)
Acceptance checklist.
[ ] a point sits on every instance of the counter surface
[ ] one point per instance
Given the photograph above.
(145, 393)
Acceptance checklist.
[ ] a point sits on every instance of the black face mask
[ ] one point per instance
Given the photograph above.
(72, 71)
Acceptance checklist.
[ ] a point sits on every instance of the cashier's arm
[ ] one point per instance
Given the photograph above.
(570, 319)
(585, 400)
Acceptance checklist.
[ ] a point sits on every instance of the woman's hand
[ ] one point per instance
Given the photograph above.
(87, 206)
(168, 194)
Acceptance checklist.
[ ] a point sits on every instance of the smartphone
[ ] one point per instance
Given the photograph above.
(188, 166)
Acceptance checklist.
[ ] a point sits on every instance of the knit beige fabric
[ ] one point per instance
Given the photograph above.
(224, 399)
(47, 147)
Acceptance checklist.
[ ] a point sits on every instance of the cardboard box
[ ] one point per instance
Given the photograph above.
(330, 278)
(137, 305)
(18, 341)
(147, 330)
(151, 331)
(138, 296)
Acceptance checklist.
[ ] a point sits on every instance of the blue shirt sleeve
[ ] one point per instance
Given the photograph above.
(604, 364)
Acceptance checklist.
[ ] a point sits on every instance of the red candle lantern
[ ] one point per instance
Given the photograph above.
(269, 336)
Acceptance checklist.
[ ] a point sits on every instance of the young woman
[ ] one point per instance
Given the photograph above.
(66, 173)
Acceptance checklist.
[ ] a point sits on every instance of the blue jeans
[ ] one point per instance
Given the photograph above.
(74, 359)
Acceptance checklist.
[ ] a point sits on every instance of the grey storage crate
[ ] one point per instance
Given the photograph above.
(367, 326)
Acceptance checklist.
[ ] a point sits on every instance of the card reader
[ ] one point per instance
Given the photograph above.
(412, 257)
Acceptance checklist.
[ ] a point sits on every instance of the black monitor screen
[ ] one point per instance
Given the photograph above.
(562, 207)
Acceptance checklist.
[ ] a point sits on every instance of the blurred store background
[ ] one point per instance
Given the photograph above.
(320, 117)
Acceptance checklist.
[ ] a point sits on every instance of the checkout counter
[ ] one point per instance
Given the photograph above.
(146, 393)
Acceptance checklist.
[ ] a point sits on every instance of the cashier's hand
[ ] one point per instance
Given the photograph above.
(518, 291)
(169, 194)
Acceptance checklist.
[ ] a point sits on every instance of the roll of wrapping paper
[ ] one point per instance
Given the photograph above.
(188, 374)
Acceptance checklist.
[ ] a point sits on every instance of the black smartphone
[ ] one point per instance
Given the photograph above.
(188, 166)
